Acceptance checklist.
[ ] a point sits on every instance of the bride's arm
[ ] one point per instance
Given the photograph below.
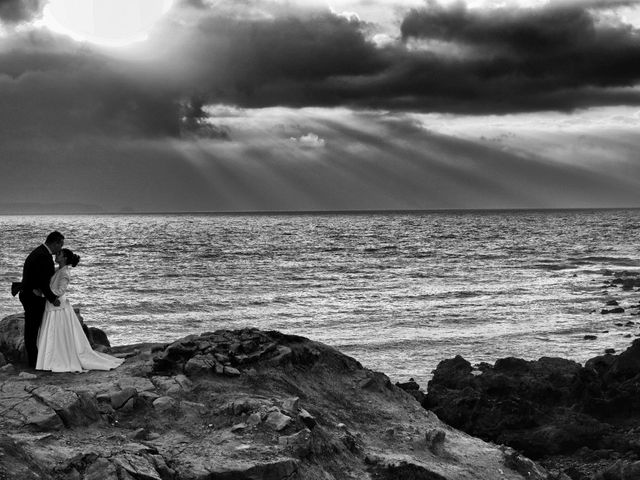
(60, 283)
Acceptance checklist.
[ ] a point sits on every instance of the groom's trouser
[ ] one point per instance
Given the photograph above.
(33, 313)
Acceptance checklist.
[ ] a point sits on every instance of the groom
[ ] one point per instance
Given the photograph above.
(36, 274)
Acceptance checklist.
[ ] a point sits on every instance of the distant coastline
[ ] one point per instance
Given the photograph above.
(35, 209)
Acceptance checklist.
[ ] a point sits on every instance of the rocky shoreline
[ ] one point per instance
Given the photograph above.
(581, 421)
(251, 404)
(230, 405)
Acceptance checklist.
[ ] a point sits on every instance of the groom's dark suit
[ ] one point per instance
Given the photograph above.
(36, 274)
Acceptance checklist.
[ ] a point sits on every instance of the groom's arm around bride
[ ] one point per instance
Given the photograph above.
(36, 274)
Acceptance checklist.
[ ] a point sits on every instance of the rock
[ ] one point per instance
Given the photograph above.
(12, 338)
(277, 421)
(520, 403)
(184, 383)
(119, 398)
(98, 338)
(284, 469)
(435, 440)
(239, 427)
(148, 397)
(231, 372)
(299, 443)
(545, 407)
(254, 419)
(101, 469)
(291, 405)
(200, 364)
(307, 419)
(413, 389)
(3, 361)
(620, 470)
(172, 385)
(523, 465)
(74, 409)
(612, 310)
(139, 467)
(16, 463)
(127, 425)
(163, 404)
(140, 384)
(8, 368)
(27, 376)
(411, 385)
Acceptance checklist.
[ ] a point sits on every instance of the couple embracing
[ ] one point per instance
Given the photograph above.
(53, 336)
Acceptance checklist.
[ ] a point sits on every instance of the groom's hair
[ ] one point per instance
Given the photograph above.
(54, 237)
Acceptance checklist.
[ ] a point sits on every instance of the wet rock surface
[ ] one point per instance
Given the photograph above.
(244, 404)
(581, 420)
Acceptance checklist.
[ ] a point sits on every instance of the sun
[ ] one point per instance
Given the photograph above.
(104, 22)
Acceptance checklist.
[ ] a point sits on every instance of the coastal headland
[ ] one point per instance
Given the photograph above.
(242, 405)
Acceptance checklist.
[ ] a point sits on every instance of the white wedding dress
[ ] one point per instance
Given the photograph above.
(62, 344)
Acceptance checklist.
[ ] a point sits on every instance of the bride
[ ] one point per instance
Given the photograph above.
(62, 344)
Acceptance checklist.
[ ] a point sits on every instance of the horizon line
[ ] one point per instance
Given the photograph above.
(324, 212)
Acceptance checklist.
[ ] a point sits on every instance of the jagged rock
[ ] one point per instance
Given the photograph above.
(285, 469)
(216, 426)
(299, 443)
(12, 338)
(120, 398)
(523, 465)
(307, 419)
(74, 409)
(15, 463)
(3, 361)
(137, 466)
(98, 338)
(200, 364)
(278, 421)
(291, 405)
(413, 389)
(435, 439)
(620, 470)
(101, 469)
(547, 407)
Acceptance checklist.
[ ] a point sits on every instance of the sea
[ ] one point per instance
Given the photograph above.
(398, 291)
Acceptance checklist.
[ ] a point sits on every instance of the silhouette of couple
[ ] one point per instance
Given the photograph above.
(53, 336)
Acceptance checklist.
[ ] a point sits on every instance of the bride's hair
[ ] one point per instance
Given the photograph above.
(71, 258)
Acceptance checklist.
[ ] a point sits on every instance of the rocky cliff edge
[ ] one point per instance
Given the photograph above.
(236, 405)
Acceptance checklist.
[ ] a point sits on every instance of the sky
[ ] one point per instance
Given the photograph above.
(251, 105)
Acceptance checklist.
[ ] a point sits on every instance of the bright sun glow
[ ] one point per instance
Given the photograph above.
(105, 22)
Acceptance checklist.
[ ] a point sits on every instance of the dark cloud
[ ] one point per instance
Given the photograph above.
(51, 86)
(559, 56)
(17, 11)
